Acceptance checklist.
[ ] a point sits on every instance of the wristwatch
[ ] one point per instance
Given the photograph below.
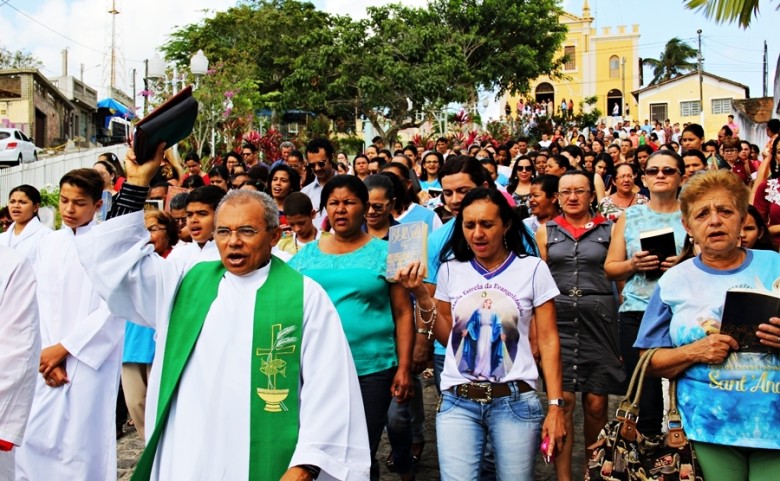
(556, 402)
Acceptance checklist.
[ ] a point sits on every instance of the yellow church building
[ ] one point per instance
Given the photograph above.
(600, 62)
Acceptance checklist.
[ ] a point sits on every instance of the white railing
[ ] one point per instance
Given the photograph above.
(50, 170)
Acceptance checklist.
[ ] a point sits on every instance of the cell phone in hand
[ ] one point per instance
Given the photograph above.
(548, 454)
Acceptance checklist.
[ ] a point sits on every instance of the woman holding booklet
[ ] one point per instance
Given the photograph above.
(727, 396)
(376, 315)
(627, 261)
(488, 287)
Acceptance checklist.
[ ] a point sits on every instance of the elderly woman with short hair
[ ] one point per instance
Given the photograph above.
(728, 399)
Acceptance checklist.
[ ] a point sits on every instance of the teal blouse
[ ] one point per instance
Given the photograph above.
(356, 284)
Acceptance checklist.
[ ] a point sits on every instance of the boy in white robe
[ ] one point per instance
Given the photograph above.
(20, 349)
(71, 432)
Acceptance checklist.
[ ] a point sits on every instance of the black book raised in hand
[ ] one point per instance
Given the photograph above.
(659, 242)
(171, 122)
(743, 311)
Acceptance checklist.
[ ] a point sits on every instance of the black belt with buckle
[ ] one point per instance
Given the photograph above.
(485, 392)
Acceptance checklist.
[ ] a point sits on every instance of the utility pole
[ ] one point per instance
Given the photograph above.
(701, 81)
(766, 70)
(624, 100)
(114, 12)
(146, 86)
(134, 91)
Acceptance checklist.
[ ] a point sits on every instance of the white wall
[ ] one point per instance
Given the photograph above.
(50, 170)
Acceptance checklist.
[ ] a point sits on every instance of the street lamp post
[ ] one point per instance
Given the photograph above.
(156, 69)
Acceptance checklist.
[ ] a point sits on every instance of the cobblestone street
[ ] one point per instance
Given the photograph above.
(130, 446)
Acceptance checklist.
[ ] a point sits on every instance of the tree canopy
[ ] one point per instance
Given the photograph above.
(674, 61)
(741, 11)
(393, 67)
(18, 60)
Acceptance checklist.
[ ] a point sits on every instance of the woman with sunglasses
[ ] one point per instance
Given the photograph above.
(381, 201)
(520, 184)
(626, 193)
(628, 262)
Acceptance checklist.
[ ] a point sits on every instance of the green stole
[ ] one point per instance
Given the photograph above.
(276, 347)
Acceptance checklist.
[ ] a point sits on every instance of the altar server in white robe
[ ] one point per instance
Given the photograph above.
(208, 430)
(26, 232)
(71, 433)
(20, 350)
(200, 208)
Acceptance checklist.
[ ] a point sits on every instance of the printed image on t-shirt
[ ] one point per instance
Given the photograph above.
(484, 335)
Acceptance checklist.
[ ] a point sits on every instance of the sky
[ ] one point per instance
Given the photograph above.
(46, 27)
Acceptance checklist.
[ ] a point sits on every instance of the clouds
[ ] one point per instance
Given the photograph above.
(142, 26)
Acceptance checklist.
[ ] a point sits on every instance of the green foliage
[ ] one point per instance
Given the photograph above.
(727, 11)
(18, 60)
(394, 67)
(674, 61)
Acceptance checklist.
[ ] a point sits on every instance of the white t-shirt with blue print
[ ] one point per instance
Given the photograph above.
(736, 403)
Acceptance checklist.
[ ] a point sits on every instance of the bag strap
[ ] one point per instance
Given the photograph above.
(629, 405)
(676, 437)
(628, 412)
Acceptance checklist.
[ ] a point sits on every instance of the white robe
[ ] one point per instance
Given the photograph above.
(71, 432)
(207, 435)
(189, 254)
(26, 242)
(20, 350)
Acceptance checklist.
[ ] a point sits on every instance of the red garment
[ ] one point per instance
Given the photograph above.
(578, 232)
(118, 183)
(205, 177)
(769, 209)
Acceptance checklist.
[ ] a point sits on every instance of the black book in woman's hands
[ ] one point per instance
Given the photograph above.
(171, 122)
(659, 242)
(743, 311)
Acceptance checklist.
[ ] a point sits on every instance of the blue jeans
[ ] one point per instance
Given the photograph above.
(375, 389)
(513, 423)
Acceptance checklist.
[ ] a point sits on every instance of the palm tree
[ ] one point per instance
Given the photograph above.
(742, 11)
(674, 61)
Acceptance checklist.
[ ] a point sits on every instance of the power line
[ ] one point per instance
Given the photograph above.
(8, 3)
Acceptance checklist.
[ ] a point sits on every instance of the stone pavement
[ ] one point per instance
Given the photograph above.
(130, 446)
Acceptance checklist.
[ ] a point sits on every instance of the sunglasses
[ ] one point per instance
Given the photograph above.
(667, 171)
(321, 164)
(525, 168)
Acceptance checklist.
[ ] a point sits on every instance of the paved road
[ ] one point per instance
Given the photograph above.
(130, 446)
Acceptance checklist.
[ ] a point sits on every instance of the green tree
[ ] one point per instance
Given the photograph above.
(394, 68)
(674, 61)
(18, 60)
(401, 64)
(263, 35)
(728, 11)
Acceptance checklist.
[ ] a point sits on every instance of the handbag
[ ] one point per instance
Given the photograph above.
(621, 453)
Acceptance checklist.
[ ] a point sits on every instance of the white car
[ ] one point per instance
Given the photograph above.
(15, 147)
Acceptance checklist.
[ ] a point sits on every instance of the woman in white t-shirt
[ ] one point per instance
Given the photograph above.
(487, 290)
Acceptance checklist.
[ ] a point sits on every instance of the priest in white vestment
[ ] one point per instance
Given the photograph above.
(206, 434)
(20, 350)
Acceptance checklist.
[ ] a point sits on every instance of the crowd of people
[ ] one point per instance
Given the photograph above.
(258, 335)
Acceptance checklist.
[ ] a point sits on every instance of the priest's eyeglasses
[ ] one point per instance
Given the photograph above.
(243, 233)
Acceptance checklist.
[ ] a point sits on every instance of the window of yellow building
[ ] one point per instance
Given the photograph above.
(721, 106)
(614, 67)
(690, 108)
(571, 58)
